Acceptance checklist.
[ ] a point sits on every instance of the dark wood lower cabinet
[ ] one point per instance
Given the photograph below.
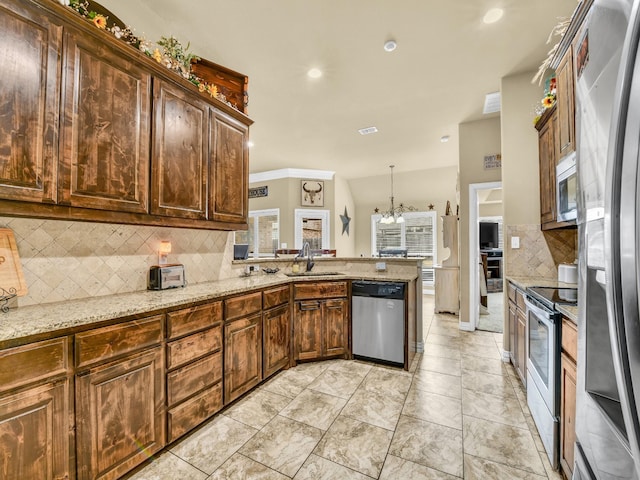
(242, 355)
(120, 414)
(567, 414)
(321, 328)
(276, 328)
(34, 433)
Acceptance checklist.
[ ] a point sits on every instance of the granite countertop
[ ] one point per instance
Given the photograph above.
(62, 317)
(524, 282)
(569, 311)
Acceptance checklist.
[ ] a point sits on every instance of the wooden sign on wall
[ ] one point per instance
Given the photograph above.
(492, 161)
(257, 192)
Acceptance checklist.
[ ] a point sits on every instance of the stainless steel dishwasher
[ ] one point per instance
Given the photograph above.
(378, 319)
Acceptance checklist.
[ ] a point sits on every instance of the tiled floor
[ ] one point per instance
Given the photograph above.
(459, 413)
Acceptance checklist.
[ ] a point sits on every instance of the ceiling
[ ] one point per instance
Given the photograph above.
(447, 59)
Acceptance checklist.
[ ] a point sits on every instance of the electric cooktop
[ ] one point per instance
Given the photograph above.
(552, 295)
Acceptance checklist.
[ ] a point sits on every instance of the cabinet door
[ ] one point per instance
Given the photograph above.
(276, 327)
(567, 414)
(120, 415)
(521, 334)
(335, 327)
(547, 148)
(34, 433)
(30, 47)
(230, 170)
(105, 131)
(242, 356)
(308, 330)
(180, 146)
(566, 108)
(513, 326)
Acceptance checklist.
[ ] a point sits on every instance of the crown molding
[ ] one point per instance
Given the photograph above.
(291, 173)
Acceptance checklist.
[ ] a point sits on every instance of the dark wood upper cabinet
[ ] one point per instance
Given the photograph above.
(547, 157)
(566, 110)
(30, 46)
(180, 153)
(229, 195)
(105, 130)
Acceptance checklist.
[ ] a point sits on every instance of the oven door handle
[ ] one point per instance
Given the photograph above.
(538, 312)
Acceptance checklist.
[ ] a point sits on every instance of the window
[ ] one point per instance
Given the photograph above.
(263, 235)
(417, 235)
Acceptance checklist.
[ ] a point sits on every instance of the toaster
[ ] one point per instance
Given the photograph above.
(162, 277)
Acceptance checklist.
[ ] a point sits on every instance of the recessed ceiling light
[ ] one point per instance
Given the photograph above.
(314, 73)
(491, 103)
(367, 130)
(493, 15)
(444, 138)
(390, 45)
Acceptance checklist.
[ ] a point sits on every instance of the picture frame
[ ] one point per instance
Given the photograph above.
(312, 193)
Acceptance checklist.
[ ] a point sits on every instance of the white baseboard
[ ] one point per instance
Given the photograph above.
(466, 327)
(419, 347)
(506, 356)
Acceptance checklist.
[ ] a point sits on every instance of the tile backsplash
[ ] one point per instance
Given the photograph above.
(64, 260)
(540, 252)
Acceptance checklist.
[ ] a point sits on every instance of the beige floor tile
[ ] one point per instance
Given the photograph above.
(337, 382)
(487, 383)
(477, 338)
(480, 469)
(486, 351)
(290, 383)
(168, 466)
(441, 383)
(442, 340)
(282, 445)
(449, 366)
(394, 383)
(449, 330)
(437, 350)
(484, 365)
(493, 408)
(239, 466)
(258, 408)
(501, 443)
(318, 468)
(396, 468)
(434, 408)
(434, 446)
(374, 408)
(356, 445)
(314, 408)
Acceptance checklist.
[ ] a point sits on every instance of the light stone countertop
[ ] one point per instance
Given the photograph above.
(62, 317)
(569, 311)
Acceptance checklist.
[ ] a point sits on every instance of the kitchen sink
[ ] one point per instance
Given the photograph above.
(312, 274)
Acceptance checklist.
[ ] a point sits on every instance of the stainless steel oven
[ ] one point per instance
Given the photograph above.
(543, 373)
(543, 362)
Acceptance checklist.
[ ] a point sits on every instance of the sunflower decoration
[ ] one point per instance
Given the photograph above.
(549, 99)
(100, 21)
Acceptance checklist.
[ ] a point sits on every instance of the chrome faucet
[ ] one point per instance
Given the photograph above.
(306, 251)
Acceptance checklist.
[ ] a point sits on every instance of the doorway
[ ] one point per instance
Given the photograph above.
(486, 262)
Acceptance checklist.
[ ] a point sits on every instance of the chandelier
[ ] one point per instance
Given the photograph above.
(394, 214)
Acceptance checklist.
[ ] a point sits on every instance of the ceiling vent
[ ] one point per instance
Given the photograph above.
(491, 103)
(367, 131)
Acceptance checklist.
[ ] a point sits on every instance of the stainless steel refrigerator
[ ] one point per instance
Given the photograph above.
(608, 138)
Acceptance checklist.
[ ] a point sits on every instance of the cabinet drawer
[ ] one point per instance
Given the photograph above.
(511, 291)
(520, 300)
(104, 343)
(193, 319)
(194, 346)
(242, 306)
(275, 296)
(570, 338)
(320, 290)
(194, 411)
(33, 362)
(186, 381)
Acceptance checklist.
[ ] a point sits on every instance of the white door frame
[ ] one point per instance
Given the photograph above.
(300, 213)
(474, 254)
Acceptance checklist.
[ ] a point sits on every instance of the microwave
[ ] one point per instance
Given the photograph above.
(567, 189)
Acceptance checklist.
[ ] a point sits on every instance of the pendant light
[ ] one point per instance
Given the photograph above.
(394, 214)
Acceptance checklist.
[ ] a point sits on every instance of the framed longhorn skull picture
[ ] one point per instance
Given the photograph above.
(312, 193)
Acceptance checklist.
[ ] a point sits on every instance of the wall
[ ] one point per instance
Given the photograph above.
(345, 243)
(417, 188)
(285, 194)
(477, 139)
(63, 260)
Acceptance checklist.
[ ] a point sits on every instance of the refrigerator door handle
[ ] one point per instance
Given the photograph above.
(601, 278)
